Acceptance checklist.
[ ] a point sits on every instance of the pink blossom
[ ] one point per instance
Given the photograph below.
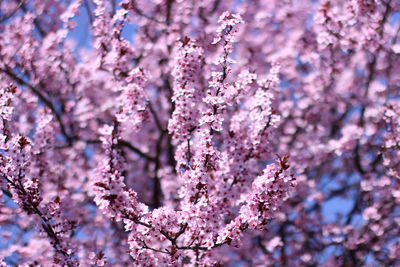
(199, 133)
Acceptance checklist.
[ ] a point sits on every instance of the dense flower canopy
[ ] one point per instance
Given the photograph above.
(199, 133)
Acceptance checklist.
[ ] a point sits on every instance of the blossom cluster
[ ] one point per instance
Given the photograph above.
(187, 89)
(199, 133)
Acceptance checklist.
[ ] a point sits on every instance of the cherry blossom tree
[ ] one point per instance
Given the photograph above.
(218, 133)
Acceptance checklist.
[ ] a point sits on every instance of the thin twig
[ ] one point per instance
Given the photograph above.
(6, 17)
